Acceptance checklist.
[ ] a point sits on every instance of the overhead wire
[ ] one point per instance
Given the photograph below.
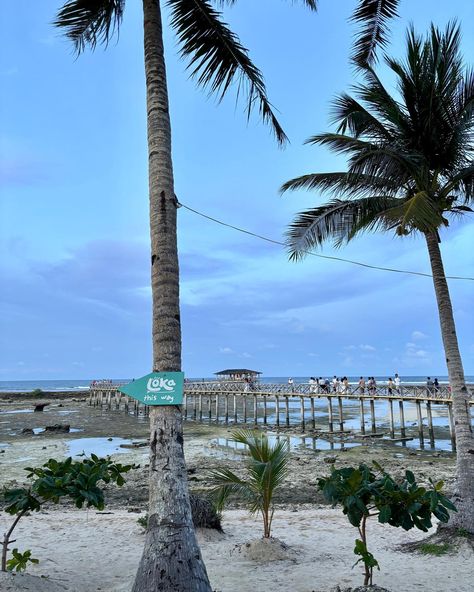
(330, 257)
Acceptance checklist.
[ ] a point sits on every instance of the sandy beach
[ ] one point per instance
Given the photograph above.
(89, 551)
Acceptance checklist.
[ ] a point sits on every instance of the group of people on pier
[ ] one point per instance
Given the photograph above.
(343, 387)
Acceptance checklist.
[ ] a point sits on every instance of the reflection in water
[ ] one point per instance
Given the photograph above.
(294, 443)
(99, 446)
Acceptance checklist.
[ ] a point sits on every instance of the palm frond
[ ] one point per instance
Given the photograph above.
(226, 483)
(342, 183)
(217, 58)
(418, 212)
(373, 17)
(338, 219)
(349, 115)
(88, 22)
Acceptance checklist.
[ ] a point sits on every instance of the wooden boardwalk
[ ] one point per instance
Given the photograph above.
(300, 405)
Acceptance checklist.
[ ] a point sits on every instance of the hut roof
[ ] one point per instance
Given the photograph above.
(236, 371)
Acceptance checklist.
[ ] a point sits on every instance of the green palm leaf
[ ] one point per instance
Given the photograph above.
(339, 220)
(373, 16)
(88, 22)
(217, 58)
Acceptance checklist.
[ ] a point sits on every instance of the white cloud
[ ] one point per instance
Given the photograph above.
(226, 350)
(417, 335)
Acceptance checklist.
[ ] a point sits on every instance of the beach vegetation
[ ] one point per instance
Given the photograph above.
(79, 481)
(366, 492)
(410, 171)
(434, 549)
(19, 561)
(37, 392)
(266, 469)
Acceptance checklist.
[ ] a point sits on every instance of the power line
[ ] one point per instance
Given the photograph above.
(332, 258)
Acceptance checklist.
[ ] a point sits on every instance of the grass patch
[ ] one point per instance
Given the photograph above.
(436, 550)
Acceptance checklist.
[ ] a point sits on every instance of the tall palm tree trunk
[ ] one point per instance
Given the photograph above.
(464, 494)
(171, 559)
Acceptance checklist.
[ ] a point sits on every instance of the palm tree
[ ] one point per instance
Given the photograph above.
(267, 468)
(171, 558)
(410, 168)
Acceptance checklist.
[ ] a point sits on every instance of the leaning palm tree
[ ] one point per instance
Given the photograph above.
(410, 169)
(171, 558)
(267, 468)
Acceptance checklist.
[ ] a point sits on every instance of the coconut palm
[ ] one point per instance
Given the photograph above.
(267, 468)
(171, 559)
(410, 169)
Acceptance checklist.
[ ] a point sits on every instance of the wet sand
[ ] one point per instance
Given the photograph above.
(207, 446)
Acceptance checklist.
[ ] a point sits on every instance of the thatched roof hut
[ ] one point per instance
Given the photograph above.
(238, 374)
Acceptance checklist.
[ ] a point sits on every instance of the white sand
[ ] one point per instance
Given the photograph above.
(86, 552)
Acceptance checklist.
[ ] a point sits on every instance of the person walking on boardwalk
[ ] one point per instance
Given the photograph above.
(312, 385)
(345, 385)
(397, 383)
(334, 384)
(291, 385)
(390, 386)
(361, 385)
(429, 386)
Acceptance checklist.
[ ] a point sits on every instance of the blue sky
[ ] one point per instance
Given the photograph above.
(74, 243)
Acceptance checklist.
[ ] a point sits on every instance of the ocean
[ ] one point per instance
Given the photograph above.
(22, 386)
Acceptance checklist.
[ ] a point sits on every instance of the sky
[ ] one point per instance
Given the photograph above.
(74, 237)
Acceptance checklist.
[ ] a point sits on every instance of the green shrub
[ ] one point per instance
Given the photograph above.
(80, 481)
(364, 493)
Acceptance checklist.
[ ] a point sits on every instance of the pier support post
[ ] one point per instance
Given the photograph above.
(217, 407)
(185, 405)
(244, 401)
(373, 425)
(362, 415)
(330, 415)
(235, 408)
(403, 431)
(226, 408)
(451, 426)
(430, 424)
(265, 409)
(302, 414)
(200, 406)
(255, 410)
(392, 423)
(277, 410)
(341, 414)
(194, 406)
(313, 419)
(420, 423)
(287, 410)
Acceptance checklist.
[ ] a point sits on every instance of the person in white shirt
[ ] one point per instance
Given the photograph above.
(397, 383)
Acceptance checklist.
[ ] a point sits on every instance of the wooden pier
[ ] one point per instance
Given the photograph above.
(305, 407)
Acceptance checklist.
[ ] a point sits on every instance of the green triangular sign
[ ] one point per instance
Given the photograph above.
(157, 388)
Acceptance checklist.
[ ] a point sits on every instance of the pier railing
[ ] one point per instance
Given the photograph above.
(405, 391)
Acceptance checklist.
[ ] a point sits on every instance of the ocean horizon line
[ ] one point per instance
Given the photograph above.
(83, 384)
